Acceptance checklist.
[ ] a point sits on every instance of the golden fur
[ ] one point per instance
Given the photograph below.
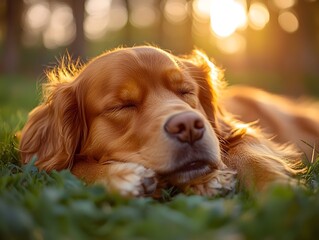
(120, 120)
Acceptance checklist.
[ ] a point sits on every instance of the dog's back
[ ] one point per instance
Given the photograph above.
(285, 120)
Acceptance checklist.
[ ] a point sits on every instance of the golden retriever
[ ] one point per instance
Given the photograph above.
(140, 119)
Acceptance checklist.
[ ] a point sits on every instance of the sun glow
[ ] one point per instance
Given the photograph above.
(288, 21)
(233, 44)
(226, 17)
(175, 11)
(284, 4)
(202, 8)
(258, 16)
(61, 28)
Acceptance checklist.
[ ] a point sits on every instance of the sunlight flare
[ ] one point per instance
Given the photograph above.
(202, 8)
(284, 4)
(258, 15)
(61, 29)
(233, 44)
(288, 21)
(175, 11)
(226, 17)
(37, 16)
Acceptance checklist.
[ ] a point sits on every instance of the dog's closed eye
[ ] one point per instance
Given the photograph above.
(130, 105)
(186, 91)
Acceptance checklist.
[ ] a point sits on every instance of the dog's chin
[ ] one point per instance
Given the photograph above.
(190, 171)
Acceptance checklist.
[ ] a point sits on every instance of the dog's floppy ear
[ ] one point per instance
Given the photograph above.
(210, 80)
(55, 129)
(208, 77)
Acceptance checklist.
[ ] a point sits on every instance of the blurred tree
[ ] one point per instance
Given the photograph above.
(128, 27)
(289, 56)
(11, 53)
(294, 54)
(189, 25)
(300, 57)
(160, 28)
(308, 35)
(78, 46)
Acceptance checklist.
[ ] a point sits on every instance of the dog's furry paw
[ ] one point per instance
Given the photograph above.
(130, 179)
(217, 183)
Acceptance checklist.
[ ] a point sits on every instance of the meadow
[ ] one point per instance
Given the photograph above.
(39, 205)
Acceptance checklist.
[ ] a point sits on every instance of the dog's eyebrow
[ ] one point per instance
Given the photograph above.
(174, 76)
(175, 79)
(130, 91)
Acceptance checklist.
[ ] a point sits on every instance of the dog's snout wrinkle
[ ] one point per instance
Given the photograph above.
(186, 127)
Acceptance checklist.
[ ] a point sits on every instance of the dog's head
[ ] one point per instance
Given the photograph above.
(140, 105)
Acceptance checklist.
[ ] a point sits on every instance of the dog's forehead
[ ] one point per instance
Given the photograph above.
(140, 63)
(128, 73)
(150, 61)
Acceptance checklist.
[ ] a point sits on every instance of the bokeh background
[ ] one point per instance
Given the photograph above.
(273, 44)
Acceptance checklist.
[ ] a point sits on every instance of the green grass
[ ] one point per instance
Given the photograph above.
(38, 205)
(18, 95)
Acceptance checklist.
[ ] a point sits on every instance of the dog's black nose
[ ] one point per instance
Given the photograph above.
(186, 127)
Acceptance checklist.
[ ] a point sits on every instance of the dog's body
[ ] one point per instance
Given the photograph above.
(139, 119)
(283, 119)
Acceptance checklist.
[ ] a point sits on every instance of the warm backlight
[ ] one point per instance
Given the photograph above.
(226, 17)
(288, 21)
(258, 15)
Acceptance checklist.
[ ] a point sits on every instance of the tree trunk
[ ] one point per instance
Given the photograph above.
(11, 53)
(78, 48)
(128, 27)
